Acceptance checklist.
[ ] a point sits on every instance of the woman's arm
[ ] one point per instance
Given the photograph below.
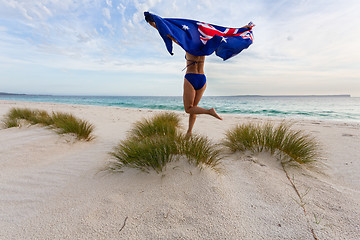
(172, 39)
(153, 24)
(247, 26)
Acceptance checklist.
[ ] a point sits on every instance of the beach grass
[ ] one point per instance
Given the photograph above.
(200, 151)
(153, 143)
(149, 153)
(61, 122)
(288, 144)
(68, 123)
(10, 122)
(164, 124)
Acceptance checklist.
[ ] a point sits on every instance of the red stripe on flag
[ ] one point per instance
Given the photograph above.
(229, 33)
(208, 31)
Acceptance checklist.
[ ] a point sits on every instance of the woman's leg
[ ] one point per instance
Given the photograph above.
(196, 100)
(191, 98)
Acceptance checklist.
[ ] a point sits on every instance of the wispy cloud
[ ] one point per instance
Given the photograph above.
(300, 45)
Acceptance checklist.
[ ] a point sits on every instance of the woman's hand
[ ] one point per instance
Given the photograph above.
(249, 26)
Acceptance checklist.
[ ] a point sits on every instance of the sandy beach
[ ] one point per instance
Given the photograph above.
(53, 187)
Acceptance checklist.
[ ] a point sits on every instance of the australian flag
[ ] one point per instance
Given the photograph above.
(202, 39)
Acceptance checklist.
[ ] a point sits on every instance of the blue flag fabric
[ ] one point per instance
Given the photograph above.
(202, 39)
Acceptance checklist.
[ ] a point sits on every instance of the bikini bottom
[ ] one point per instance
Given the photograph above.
(196, 80)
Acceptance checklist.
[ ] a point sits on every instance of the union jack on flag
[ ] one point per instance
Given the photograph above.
(207, 32)
(201, 39)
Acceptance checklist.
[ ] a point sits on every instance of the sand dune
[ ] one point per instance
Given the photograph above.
(52, 187)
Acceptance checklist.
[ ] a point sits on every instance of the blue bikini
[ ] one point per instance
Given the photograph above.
(197, 80)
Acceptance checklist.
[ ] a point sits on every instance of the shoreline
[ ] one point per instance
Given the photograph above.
(51, 187)
(247, 116)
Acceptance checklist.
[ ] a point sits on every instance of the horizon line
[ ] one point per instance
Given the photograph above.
(240, 95)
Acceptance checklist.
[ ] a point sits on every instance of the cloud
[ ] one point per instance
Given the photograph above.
(121, 8)
(109, 3)
(106, 13)
(295, 41)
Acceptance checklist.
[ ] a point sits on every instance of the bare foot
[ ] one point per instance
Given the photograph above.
(214, 114)
(188, 135)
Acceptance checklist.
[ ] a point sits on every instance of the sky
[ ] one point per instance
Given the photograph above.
(105, 47)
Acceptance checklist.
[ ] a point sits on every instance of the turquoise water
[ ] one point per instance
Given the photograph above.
(322, 108)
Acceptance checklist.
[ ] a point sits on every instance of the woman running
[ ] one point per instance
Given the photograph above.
(194, 80)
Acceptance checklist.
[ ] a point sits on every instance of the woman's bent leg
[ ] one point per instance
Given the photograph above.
(191, 98)
(198, 96)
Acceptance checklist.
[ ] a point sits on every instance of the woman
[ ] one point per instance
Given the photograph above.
(195, 80)
(194, 87)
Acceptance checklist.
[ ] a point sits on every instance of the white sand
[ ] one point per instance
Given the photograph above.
(51, 188)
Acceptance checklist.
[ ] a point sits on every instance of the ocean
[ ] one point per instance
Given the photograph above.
(338, 108)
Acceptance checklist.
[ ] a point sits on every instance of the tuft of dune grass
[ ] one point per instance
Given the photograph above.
(61, 122)
(164, 124)
(200, 151)
(294, 145)
(149, 153)
(9, 122)
(154, 142)
(67, 123)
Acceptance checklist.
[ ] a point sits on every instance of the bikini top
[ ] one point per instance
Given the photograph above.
(193, 62)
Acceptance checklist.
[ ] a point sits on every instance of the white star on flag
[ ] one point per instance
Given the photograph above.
(185, 27)
(223, 39)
